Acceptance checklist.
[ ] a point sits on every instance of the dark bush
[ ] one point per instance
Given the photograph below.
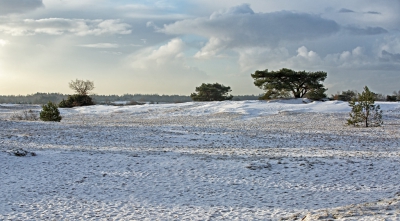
(22, 153)
(50, 113)
(76, 100)
(212, 92)
(316, 94)
(391, 98)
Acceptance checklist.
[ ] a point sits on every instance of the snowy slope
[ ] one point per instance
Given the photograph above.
(243, 160)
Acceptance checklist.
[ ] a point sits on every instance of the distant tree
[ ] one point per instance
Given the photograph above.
(345, 95)
(81, 87)
(212, 92)
(364, 111)
(379, 97)
(299, 83)
(50, 112)
(397, 95)
(82, 98)
(391, 98)
(316, 94)
(76, 100)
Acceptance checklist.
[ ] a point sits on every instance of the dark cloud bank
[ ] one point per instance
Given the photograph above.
(19, 6)
(242, 27)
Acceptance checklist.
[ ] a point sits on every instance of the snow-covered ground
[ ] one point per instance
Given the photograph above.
(243, 160)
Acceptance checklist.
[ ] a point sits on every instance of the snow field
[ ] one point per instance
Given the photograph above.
(201, 161)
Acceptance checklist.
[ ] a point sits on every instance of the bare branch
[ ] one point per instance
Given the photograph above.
(81, 87)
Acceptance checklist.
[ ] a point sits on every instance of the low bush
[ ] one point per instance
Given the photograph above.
(29, 115)
(50, 112)
(76, 100)
(22, 153)
(316, 94)
(134, 103)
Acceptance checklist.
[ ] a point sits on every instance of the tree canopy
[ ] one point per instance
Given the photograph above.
(212, 92)
(299, 83)
(81, 87)
(364, 111)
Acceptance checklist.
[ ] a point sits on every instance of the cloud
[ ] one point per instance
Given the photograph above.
(345, 10)
(390, 57)
(240, 27)
(166, 54)
(212, 48)
(236, 10)
(59, 26)
(365, 31)
(168, 59)
(391, 44)
(166, 67)
(349, 59)
(155, 10)
(3, 42)
(100, 45)
(255, 58)
(373, 13)
(19, 6)
(306, 59)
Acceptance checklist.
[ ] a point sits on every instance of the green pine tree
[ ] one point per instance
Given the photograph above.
(212, 92)
(50, 112)
(364, 111)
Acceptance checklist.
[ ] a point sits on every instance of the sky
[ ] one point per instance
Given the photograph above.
(171, 47)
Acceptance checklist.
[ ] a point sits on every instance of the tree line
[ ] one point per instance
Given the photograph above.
(277, 84)
(43, 98)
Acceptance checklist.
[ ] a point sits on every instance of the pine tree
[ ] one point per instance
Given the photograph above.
(299, 83)
(364, 111)
(50, 112)
(212, 92)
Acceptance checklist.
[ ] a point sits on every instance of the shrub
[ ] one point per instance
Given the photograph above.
(391, 98)
(76, 100)
(212, 92)
(345, 95)
(364, 111)
(29, 115)
(50, 113)
(316, 94)
(22, 153)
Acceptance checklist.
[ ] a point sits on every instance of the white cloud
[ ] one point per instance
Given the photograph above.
(305, 59)
(389, 49)
(166, 65)
(349, 59)
(390, 44)
(260, 58)
(100, 45)
(166, 60)
(153, 10)
(3, 42)
(59, 26)
(353, 59)
(212, 48)
(170, 53)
